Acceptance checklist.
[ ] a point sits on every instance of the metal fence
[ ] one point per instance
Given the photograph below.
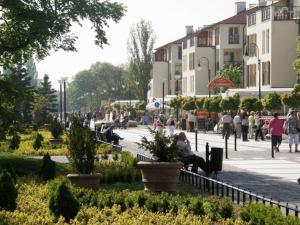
(219, 188)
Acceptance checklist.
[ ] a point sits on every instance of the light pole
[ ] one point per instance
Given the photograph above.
(64, 80)
(60, 99)
(163, 97)
(247, 53)
(177, 77)
(208, 69)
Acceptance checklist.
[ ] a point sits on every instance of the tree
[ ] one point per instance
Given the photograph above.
(272, 102)
(36, 26)
(292, 100)
(233, 73)
(189, 104)
(32, 72)
(297, 61)
(212, 104)
(176, 102)
(230, 103)
(251, 104)
(140, 47)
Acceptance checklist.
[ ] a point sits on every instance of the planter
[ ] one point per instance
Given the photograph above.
(160, 176)
(91, 181)
(55, 141)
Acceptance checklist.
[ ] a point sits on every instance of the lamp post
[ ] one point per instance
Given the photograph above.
(64, 80)
(163, 97)
(258, 64)
(60, 99)
(177, 77)
(208, 69)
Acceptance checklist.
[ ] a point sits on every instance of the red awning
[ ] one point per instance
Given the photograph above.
(220, 82)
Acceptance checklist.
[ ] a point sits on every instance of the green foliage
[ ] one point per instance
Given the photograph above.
(62, 202)
(189, 104)
(292, 100)
(15, 142)
(41, 27)
(230, 103)
(212, 104)
(37, 144)
(162, 147)
(141, 105)
(128, 159)
(217, 208)
(200, 104)
(8, 191)
(81, 145)
(259, 214)
(9, 168)
(48, 169)
(251, 104)
(176, 102)
(140, 46)
(233, 73)
(297, 61)
(56, 128)
(272, 102)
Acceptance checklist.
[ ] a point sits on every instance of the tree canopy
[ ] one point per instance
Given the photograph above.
(30, 27)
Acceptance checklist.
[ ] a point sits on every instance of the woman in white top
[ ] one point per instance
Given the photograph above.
(171, 123)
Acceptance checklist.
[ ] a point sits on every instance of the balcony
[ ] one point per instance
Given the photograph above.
(233, 63)
(286, 13)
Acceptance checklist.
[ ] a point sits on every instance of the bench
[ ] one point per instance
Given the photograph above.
(101, 138)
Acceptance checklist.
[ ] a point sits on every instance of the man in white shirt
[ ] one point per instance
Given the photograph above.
(226, 120)
(237, 125)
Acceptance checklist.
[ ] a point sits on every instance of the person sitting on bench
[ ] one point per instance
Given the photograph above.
(188, 157)
(111, 136)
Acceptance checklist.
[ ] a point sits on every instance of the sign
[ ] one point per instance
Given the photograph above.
(156, 104)
(220, 82)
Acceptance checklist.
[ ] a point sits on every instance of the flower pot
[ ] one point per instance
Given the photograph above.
(91, 181)
(55, 141)
(160, 176)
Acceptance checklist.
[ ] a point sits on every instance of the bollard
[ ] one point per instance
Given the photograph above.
(207, 158)
(196, 138)
(272, 149)
(235, 149)
(226, 147)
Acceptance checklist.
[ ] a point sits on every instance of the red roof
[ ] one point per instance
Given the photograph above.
(178, 41)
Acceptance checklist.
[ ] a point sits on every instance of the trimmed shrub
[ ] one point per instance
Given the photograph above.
(62, 202)
(115, 156)
(37, 144)
(259, 214)
(48, 168)
(15, 142)
(56, 128)
(8, 167)
(196, 206)
(8, 192)
(217, 208)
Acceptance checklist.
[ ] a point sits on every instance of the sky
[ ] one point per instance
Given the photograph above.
(168, 19)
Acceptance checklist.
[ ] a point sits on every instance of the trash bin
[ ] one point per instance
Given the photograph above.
(183, 124)
(216, 159)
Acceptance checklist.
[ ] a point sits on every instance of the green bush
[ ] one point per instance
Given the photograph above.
(259, 214)
(48, 168)
(8, 191)
(128, 159)
(37, 144)
(15, 142)
(62, 202)
(196, 206)
(115, 156)
(8, 167)
(217, 208)
(56, 128)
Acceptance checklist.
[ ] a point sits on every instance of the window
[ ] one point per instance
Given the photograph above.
(252, 45)
(179, 52)
(217, 36)
(263, 42)
(251, 19)
(184, 89)
(191, 61)
(265, 14)
(184, 63)
(192, 83)
(192, 42)
(184, 44)
(267, 41)
(251, 75)
(266, 73)
(178, 69)
(234, 36)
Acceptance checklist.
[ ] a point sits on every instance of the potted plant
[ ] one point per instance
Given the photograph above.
(81, 146)
(56, 129)
(163, 173)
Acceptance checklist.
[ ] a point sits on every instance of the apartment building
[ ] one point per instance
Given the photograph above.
(271, 45)
(167, 70)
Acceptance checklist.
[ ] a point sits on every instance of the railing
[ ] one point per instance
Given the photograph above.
(219, 188)
(286, 13)
(233, 63)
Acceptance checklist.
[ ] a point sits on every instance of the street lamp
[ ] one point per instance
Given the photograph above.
(64, 80)
(177, 76)
(208, 68)
(247, 53)
(60, 98)
(163, 97)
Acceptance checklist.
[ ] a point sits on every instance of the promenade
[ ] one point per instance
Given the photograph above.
(251, 167)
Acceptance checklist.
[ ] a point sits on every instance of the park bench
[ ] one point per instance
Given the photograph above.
(101, 138)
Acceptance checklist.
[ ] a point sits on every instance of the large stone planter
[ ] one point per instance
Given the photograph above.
(160, 176)
(91, 181)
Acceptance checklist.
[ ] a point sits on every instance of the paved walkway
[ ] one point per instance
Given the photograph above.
(251, 167)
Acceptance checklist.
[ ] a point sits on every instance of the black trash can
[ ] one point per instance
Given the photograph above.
(183, 124)
(216, 159)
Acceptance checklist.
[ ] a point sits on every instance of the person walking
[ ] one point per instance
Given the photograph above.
(251, 124)
(258, 126)
(276, 131)
(191, 120)
(171, 123)
(293, 130)
(226, 121)
(237, 123)
(159, 125)
(245, 126)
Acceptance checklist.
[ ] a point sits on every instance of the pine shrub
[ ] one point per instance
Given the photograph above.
(56, 128)
(15, 142)
(62, 202)
(48, 168)
(8, 167)
(37, 144)
(8, 192)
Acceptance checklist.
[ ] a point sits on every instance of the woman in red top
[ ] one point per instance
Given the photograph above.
(276, 131)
